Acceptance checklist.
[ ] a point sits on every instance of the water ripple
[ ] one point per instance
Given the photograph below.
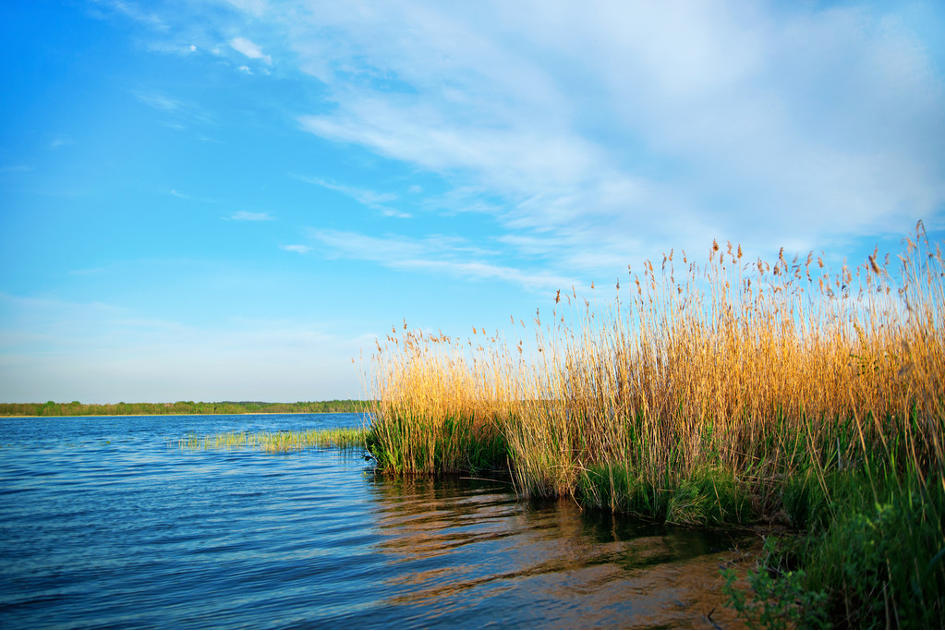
(102, 525)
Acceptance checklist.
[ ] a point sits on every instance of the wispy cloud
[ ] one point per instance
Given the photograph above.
(178, 109)
(158, 101)
(249, 48)
(392, 212)
(371, 199)
(298, 249)
(764, 124)
(365, 196)
(243, 215)
(435, 254)
(134, 11)
(175, 47)
(256, 8)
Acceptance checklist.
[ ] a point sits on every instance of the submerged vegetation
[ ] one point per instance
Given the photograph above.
(51, 408)
(733, 392)
(279, 442)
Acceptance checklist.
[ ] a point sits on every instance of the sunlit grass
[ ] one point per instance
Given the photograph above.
(278, 442)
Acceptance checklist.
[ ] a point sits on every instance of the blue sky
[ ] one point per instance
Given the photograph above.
(215, 200)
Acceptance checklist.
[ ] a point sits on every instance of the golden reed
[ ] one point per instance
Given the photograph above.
(751, 368)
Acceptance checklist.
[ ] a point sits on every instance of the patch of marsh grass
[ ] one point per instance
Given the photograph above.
(279, 442)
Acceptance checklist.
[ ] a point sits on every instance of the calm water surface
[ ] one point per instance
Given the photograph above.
(105, 522)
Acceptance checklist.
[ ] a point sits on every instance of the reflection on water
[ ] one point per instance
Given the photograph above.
(469, 554)
(103, 525)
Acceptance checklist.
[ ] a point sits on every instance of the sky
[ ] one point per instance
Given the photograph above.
(231, 200)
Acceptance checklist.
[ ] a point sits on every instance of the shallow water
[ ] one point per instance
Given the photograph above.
(106, 522)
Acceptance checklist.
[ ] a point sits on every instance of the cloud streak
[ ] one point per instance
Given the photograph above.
(173, 107)
(435, 254)
(371, 199)
(298, 249)
(243, 215)
(250, 49)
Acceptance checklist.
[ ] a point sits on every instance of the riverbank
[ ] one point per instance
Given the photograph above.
(743, 392)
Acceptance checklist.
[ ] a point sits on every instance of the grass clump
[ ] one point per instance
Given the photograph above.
(879, 554)
(873, 558)
(709, 496)
(726, 393)
(439, 412)
(279, 442)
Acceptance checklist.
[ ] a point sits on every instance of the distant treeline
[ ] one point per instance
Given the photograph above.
(51, 408)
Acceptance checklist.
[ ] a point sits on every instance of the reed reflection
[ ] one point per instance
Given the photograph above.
(468, 553)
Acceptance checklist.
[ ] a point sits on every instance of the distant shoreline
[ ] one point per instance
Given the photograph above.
(3, 416)
(181, 408)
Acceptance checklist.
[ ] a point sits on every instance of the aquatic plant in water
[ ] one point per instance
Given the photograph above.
(279, 442)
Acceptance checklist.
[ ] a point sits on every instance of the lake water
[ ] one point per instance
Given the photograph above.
(106, 523)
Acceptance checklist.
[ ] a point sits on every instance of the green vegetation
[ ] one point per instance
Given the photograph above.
(279, 442)
(741, 392)
(51, 408)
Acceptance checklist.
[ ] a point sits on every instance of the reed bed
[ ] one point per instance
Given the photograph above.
(279, 442)
(442, 410)
(732, 391)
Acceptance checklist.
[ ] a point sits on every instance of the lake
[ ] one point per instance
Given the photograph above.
(105, 522)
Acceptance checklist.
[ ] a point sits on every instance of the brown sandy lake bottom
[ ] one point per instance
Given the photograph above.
(106, 523)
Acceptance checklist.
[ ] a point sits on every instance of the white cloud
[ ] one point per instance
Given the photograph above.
(397, 214)
(243, 215)
(250, 49)
(245, 69)
(613, 130)
(612, 126)
(171, 47)
(298, 249)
